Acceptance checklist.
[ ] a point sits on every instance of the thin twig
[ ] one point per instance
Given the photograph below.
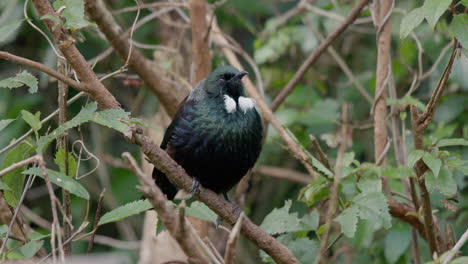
(231, 242)
(456, 248)
(316, 54)
(345, 134)
(97, 216)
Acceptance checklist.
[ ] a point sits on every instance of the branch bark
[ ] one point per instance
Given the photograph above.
(200, 40)
(137, 62)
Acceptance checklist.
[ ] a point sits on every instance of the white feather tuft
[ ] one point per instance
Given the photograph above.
(229, 104)
(246, 103)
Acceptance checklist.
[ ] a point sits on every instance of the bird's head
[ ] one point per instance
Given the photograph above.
(226, 80)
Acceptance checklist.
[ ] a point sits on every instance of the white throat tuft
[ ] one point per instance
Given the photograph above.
(246, 103)
(229, 104)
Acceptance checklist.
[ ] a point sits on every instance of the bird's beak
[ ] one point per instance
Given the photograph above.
(238, 76)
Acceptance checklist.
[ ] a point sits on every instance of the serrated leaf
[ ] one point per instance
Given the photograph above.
(370, 184)
(446, 182)
(63, 181)
(125, 211)
(315, 191)
(200, 210)
(433, 163)
(396, 242)
(281, 221)
(22, 78)
(34, 235)
(8, 28)
(73, 14)
(452, 142)
(4, 123)
(459, 28)
(414, 156)
(411, 21)
(374, 207)
(14, 179)
(304, 249)
(433, 9)
(85, 115)
(29, 80)
(313, 161)
(33, 120)
(348, 220)
(30, 249)
(112, 118)
(60, 161)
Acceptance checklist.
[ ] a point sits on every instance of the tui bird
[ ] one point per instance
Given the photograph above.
(216, 134)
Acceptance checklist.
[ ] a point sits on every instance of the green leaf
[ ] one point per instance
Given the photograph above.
(315, 191)
(8, 28)
(452, 142)
(4, 186)
(411, 21)
(22, 78)
(348, 158)
(370, 184)
(86, 114)
(348, 220)
(31, 248)
(14, 179)
(433, 9)
(459, 28)
(3, 230)
(304, 249)
(315, 162)
(125, 211)
(73, 14)
(112, 118)
(414, 156)
(200, 210)
(281, 221)
(406, 101)
(396, 242)
(371, 206)
(446, 182)
(5, 122)
(60, 161)
(398, 172)
(67, 183)
(433, 163)
(33, 120)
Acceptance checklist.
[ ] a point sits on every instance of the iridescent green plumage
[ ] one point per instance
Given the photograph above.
(216, 134)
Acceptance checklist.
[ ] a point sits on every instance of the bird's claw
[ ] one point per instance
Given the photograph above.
(236, 210)
(194, 190)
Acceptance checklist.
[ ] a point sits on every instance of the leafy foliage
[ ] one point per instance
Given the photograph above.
(60, 160)
(7, 29)
(371, 206)
(125, 211)
(61, 180)
(14, 179)
(22, 78)
(4, 123)
(73, 14)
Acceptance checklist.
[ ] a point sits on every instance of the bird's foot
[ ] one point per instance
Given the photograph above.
(236, 209)
(194, 190)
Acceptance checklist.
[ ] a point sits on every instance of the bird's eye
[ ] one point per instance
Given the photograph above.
(226, 77)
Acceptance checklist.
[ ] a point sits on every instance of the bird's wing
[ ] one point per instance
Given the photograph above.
(179, 124)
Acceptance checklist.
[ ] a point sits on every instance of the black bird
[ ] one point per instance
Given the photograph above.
(216, 134)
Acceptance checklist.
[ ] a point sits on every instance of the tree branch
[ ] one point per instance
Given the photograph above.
(167, 213)
(43, 68)
(200, 40)
(137, 62)
(316, 54)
